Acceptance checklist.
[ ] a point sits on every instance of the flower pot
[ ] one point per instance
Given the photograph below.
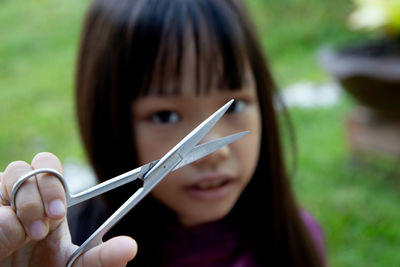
(370, 73)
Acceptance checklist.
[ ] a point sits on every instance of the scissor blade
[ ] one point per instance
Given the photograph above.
(205, 149)
(173, 157)
(185, 150)
(193, 138)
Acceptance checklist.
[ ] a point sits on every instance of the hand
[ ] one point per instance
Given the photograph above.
(37, 234)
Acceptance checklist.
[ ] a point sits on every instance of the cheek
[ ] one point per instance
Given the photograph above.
(145, 148)
(168, 192)
(150, 144)
(249, 147)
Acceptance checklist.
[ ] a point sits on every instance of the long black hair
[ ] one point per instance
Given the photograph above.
(128, 44)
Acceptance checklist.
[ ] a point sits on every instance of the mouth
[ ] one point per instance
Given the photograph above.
(211, 188)
(207, 185)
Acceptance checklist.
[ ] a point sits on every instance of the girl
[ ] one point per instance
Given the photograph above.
(148, 72)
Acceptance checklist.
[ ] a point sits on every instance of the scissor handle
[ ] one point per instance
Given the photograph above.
(152, 178)
(96, 238)
(28, 175)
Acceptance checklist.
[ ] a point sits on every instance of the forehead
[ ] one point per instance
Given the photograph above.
(192, 72)
(197, 54)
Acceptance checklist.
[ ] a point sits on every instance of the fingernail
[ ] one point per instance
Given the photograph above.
(57, 208)
(37, 229)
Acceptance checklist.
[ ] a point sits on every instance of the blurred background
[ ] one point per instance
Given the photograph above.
(350, 186)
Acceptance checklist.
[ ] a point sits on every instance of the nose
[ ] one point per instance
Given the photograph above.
(214, 159)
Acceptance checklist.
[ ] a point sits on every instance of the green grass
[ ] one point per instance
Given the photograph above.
(356, 204)
(37, 51)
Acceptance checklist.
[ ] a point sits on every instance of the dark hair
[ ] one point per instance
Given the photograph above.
(128, 44)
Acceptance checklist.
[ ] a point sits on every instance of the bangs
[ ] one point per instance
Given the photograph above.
(201, 45)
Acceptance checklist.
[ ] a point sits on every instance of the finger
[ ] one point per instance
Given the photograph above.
(51, 189)
(12, 233)
(3, 199)
(29, 206)
(113, 253)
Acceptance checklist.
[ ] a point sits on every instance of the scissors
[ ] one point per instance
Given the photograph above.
(185, 152)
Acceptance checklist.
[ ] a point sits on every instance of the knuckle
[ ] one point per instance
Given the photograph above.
(51, 189)
(29, 208)
(51, 183)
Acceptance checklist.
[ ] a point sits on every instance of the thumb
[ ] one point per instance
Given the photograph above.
(113, 253)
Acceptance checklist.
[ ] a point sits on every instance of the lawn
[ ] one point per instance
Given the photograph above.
(356, 204)
(38, 44)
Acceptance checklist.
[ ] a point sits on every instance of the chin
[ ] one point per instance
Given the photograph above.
(210, 215)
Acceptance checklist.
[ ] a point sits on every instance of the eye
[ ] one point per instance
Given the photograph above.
(237, 106)
(165, 116)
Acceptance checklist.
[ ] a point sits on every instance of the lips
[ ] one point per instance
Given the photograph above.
(206, 185)
(211, 188)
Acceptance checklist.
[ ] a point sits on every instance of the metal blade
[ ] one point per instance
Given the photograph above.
(186, 145)
(203, 150)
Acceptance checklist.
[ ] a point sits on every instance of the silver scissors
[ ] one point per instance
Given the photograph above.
(185, 152)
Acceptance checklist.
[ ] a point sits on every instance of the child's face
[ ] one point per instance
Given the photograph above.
(207, 189)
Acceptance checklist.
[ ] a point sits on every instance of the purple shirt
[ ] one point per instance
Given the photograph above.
(315, 232)
(217, 244)
(211, 245)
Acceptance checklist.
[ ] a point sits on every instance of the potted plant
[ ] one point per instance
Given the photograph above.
(370, 71)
